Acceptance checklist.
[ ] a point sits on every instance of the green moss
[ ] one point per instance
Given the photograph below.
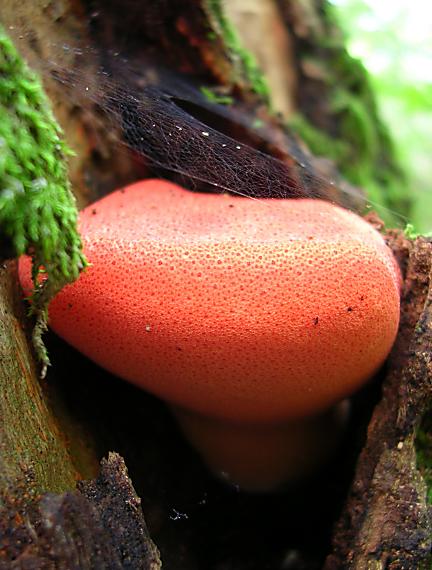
(361, 149)
(371, 160)
(214, 97)
(246, 60)
(359, 143)
(318, 140)
(411, 232)
(257, 124)
(38, 214)
(423, 445)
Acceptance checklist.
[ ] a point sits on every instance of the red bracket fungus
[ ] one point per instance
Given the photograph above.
(252, 319)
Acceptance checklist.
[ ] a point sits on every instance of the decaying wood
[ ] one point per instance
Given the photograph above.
(387, 522)
(31, 444)
(262, 32)
(100, 526)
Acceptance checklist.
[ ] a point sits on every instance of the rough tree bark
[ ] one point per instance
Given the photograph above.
(53, 434)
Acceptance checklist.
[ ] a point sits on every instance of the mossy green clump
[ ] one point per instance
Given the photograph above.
(352, 132)
(423, 445)
(360, 145)
(318, 140)
(213, 96)
(38, 214)
(248, 65)
(373, 162)
(411, 232)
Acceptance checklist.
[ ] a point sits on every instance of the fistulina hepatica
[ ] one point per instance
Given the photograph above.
(252, 319)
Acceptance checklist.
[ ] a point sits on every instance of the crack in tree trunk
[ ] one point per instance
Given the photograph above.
(387, 522)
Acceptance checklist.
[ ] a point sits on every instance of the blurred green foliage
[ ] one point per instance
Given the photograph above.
(394, 43)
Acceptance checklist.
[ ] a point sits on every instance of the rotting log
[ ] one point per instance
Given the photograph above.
(386, 522)
(44, 524)
(31, 445)
(99, 526)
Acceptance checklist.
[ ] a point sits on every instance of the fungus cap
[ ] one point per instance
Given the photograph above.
(242, 310)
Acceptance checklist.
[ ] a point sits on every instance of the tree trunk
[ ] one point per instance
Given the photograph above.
(55, 433)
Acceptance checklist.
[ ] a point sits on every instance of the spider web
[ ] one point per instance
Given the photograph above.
(156, 122)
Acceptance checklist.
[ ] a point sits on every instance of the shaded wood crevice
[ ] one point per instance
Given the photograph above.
(387, 522)
(99, 526)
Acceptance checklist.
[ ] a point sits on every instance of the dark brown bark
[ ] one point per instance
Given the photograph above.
(387, 522)
(99, 526)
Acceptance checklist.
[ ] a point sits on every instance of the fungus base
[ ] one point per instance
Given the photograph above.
(263, 457)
